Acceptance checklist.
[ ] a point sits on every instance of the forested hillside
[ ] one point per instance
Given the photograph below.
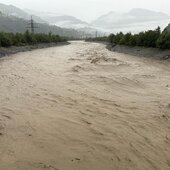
(11, 10)
(15, 24)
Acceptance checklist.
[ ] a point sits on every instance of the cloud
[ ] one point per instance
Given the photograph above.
(89, 9)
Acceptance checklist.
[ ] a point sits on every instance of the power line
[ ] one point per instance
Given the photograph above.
(32, 25)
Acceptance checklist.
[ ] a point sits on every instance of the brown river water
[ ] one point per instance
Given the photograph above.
(82, 107)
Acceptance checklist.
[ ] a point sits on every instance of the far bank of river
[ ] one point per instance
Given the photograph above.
(16, 49)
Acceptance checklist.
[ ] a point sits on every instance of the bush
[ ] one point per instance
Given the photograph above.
(117, 39)
(5, 40)
(133, 40)
(163, 41)
(99, 39)
(111, 38)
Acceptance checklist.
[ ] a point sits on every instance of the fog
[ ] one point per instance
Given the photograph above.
(89, 10)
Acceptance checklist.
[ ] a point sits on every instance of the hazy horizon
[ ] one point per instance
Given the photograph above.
(94, 8)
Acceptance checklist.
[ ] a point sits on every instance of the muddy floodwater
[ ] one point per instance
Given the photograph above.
(82, 107)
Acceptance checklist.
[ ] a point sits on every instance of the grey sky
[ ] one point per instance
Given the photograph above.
(90, 9)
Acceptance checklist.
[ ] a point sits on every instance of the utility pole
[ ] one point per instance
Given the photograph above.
(96, 34)
(32, 25)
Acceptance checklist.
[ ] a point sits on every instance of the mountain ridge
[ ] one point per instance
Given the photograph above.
(135, 20)
(15, 24)
(12, 10)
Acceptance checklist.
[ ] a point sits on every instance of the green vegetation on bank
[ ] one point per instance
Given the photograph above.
(152, 38)
(99, 39)
(27, 38)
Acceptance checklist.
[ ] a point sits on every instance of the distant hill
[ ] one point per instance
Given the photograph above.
(144, 14)
(60, 20)
(15, 24)
(65, 21)
(134, 16)
(11, 10)
(134, 20)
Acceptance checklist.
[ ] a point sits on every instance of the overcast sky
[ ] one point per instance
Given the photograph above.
(89, 9)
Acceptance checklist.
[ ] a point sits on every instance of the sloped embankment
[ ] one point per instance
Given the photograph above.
(16, 49)
(141, 51)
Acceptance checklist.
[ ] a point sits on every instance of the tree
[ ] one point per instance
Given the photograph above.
(5, 40)
(111, 38)
(163, 41)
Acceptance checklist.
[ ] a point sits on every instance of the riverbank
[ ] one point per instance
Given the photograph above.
(140, 51)
(16, 49)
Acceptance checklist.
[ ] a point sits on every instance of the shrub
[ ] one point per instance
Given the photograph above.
(5, 40)
(111, 38)
(163, 41)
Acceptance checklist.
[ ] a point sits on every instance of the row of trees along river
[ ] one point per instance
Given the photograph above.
(152, 38)
(27, 38)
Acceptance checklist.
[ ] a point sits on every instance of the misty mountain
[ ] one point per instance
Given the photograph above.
(60, 20)
(134, 20)
(42, 14)
(11, 10)
(144, 14)
(15, 24)
(66, 21)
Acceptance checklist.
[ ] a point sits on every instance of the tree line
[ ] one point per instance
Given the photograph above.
(152, 38)
(27, 38)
